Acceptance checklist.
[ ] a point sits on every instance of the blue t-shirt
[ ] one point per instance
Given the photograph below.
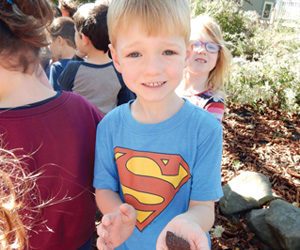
(158, 168)
(55, 70)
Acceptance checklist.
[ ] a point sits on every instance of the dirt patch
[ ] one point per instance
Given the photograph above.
(266, 142)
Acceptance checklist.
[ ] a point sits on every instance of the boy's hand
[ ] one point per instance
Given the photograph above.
(116, 227)
(188, 230)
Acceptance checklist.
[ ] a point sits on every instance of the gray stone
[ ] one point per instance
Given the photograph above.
(244, 192)
(284, 221)
(257, 223)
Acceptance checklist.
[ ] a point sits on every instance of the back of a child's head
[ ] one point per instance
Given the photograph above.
(22, 32)
(169, 17)
(207, 26)
(63, 27)
(70, 6)
(90, 20)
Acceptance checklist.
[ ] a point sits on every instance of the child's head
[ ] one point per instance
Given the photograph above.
(62, 33)
(206, 38)
(155, 17)
(150, 45)
(68, 7)
(22, 33)
(90, 22)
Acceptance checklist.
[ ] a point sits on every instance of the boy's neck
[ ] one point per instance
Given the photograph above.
(68, 52)
(156, 112)
(97, 57)
(15, 93)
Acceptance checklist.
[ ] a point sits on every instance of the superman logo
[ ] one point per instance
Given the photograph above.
(150, 181)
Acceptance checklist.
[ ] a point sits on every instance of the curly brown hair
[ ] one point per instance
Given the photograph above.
(16, 185)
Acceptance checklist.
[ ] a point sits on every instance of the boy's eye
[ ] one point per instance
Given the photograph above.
(134, 54)
(169, 52)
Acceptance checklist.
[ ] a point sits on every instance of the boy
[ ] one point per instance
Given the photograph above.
(62, 47)
(161, 171)
(96, 78)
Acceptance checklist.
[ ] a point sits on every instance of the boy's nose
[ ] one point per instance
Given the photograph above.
(153, 65)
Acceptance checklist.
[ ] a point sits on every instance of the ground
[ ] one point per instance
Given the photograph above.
(267, 142)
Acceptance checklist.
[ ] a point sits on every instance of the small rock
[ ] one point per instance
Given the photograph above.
(244, 192)
(176, 243)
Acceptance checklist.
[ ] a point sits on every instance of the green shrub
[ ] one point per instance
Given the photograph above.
(271, 79)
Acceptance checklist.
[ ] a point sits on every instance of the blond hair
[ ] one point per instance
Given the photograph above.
(206, 25)
(15, 186)
(155, 16)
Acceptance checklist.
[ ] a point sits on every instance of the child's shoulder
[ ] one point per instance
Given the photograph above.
(80, 103)
(76, 99)
(97, 66)
(201, 117)
(71, 65)
(61, 63)
(217, 95)
(117, 115)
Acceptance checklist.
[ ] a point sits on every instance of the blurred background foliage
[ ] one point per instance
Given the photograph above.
(266, 55)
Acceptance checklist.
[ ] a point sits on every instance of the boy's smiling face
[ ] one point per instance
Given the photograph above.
(151, 66)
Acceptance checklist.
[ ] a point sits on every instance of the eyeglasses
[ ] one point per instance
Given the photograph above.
(209, 46)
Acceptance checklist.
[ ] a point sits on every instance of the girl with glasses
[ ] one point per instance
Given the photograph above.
(203, 79)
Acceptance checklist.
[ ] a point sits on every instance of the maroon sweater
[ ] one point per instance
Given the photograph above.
(59, 136)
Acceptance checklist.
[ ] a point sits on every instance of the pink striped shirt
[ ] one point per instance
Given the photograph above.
(209, 101)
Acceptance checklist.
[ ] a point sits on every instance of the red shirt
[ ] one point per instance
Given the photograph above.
(59, 136)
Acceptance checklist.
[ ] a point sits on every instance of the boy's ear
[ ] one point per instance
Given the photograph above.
(60, 40)
(114, 57)
(85, 39)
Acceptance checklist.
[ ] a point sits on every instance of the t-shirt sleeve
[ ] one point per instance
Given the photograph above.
(105, 173)
(67, 77)
(206, 175)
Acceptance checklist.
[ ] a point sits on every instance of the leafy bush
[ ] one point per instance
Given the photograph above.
(271, 79)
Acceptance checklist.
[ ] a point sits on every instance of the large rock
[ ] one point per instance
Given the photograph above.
(244, 192)
(257, 223)
(284, 221)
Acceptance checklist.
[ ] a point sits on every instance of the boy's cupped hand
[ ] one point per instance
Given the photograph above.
(188, 230)
(116, 227)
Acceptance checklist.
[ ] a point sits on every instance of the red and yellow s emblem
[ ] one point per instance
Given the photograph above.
(149, 181)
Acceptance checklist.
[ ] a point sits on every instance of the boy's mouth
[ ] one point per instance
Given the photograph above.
(154, 84)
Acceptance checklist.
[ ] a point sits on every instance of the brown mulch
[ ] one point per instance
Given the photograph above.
(264, 141)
